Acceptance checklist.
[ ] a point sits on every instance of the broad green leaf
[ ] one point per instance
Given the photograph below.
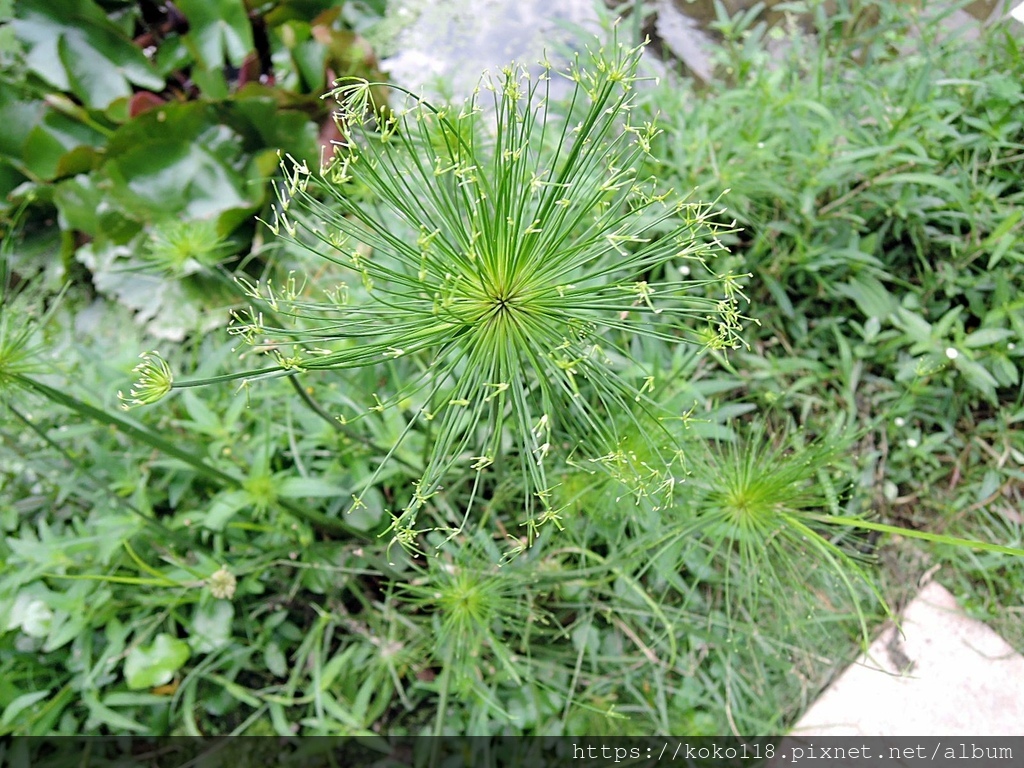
(870, 296)
(128, 699)
(334, 667)
(367, 516)
(212, 83)
(373, 698)
(211, 626)
(204, 420)
(778, 293)
(220, 30)
(233, 690)
(155, 664)
(20, 704)
(978, 377)
(174, 162)
(1002, 240)
(168, 176)
(946, 186)
(31, 615)
(172, 55)
(19, 116)
(43, 142)
(310, 60)
(339, 712)
(985, 337)
(1005, 372)
(259, 119)
(160, 304)
(945, 323)
(274, 659)
(10, 179)
(223, 508)
(72, 45)
(89, 72)
(70, 620)
(915, 326)
(115, 635)
(990, 483)
(84, 206)
(78, 201)
(302, 10)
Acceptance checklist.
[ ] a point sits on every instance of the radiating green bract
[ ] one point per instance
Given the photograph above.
(510, 256)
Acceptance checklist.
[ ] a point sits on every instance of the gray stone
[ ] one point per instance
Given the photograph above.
(444, 48)
(938, 674)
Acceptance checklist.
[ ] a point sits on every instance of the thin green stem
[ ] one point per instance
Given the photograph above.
(163, 530)
(148, 437)
(937, 538)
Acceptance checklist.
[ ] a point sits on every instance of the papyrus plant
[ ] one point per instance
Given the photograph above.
(508, 258)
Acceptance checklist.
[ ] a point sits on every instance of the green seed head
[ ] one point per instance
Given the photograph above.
(153, 380)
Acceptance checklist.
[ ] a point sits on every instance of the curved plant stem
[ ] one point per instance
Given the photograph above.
(304, 394)
(937, 538)
(442, 704)
(164, 531)
(318, 520)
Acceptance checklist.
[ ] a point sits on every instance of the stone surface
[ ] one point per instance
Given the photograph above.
(939, 674)
(446, 46)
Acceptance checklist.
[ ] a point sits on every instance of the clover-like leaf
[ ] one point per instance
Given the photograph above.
(211, 625)
(151, 665)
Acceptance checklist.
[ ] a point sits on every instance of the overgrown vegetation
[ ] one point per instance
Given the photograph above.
(475, 330)
(875, 173)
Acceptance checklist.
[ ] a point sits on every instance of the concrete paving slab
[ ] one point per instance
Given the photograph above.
(938, 674)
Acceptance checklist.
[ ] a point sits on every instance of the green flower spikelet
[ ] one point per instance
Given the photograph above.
(506, 256)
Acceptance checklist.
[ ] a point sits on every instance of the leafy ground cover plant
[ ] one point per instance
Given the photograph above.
(193, 568)
(571, 613)
(875, 182)
(148, 134)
